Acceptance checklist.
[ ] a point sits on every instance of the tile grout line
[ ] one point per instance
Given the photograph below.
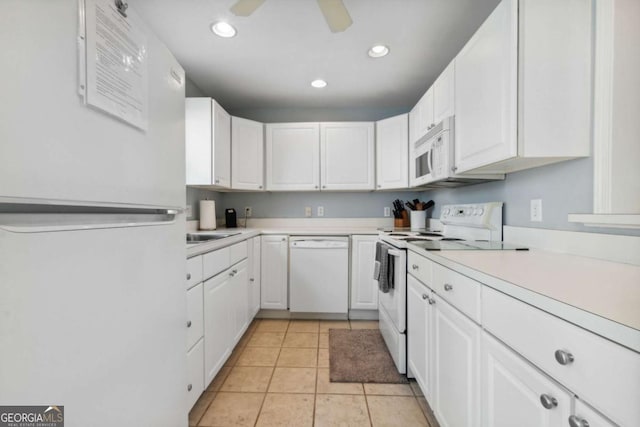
(268, 385)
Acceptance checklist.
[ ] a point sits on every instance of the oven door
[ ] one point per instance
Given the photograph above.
(394, 302)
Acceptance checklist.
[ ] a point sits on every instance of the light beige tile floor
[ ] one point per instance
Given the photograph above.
(278, 375)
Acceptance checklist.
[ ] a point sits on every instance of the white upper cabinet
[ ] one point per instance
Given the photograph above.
(523, 87)
(392, 152)
(293, 156)
(444, 94)
(346, 151)
(208, 143)
(435, 105)
(247, 154)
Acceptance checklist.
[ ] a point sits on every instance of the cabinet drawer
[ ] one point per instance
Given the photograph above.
(195, 373)
(420, 267)
(460, 291)
(194, 315)
(194, 271)
(602, 373)
(215, 262)
(237, 252)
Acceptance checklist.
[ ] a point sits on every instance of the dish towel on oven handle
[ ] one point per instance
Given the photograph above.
(383, 270)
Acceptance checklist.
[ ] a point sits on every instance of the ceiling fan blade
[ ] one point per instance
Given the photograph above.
(336, 15)
(245, 7)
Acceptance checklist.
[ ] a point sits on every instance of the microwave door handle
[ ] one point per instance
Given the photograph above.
(430, 161)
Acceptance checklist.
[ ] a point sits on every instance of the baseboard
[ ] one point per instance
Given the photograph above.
(610, 247)
(363, 314)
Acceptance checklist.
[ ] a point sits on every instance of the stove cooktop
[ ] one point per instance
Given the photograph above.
(465, 245)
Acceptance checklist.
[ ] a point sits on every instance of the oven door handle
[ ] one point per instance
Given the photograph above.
(395, 253)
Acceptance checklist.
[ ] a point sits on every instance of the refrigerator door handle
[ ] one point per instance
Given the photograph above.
(53, 222)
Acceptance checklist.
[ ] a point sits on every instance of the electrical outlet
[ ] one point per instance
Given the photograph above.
(189, 211)
(307, 211)
(320, 210)
(248, 211)
(387, 211)
(536, 210)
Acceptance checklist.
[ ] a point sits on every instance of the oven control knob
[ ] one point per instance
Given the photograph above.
(446, 212)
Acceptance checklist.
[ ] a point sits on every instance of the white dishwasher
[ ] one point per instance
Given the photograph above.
(319, 274)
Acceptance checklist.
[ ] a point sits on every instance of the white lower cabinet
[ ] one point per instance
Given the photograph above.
(254, 275)
(364, 290)
(515, 393)
(456, 363)
(240, 290)
(419, 329)
(195, 379)
(585, 416)
(218, 316)
(274, 259)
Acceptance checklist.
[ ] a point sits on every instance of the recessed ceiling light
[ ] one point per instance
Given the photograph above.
(378, 51)
(319, 83)
(223, 29)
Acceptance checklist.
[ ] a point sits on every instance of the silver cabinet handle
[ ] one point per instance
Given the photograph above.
(231, 274)
(448, 287)
(563, 357)
(425, 296)
(432, 301)
(189, 387)
(188, 276)
(252, 279)
(217, 181)
(284, 239)
(415, 266)
(234, 271)
(575, 421)
(188, 323)
(548, 401)
(379, 185)
(260, 187)
(324, 186)
(316, 187)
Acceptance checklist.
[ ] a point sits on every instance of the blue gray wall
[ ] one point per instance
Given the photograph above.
(336, 205)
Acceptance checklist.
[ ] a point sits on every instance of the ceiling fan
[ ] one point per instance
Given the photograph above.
(334, 11)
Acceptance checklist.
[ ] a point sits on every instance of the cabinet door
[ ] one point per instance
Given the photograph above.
(293, 156)
(456, 369)
(273, 271)
(584, 416)
(240, 290)
(195, 376)
(217, 320)
(443, 94)
(364, 290)
(425, 113)
(418, 334)
(254, 276)
(392, 152)
(247, 155)
(346, 156)
(486, 89)
(195, 317)
(221, 131)
(512, 390)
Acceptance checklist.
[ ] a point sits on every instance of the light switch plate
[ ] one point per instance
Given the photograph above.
(320, 210)
(387, 211)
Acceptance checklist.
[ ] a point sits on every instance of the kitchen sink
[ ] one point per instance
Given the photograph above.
(199, 238)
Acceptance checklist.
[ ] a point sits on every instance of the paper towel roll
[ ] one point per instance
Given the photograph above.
(207, 215)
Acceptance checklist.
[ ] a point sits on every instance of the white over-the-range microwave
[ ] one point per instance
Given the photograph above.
(432, 158)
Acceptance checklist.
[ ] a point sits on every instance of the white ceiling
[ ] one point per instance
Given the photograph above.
(286, 44)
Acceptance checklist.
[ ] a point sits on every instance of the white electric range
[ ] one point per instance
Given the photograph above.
(464, 227)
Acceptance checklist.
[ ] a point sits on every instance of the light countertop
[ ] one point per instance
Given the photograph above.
(601, 296)
(247, 233)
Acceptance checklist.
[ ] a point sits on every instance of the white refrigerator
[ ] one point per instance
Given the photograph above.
(92, 250)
